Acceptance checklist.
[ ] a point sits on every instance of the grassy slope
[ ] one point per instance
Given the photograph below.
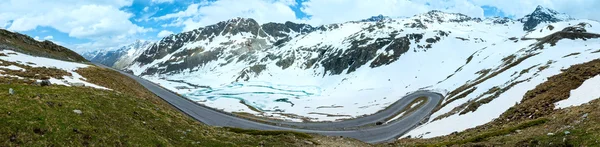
(574, 126)
(129, 115)
(25, 44)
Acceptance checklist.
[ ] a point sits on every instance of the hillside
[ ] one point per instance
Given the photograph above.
(28, 45)
(554, 113)
(492, 72)
(85, 105)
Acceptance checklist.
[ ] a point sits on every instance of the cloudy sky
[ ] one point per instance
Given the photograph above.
(84, 25)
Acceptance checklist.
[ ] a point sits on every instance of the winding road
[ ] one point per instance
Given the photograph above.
(375, 134)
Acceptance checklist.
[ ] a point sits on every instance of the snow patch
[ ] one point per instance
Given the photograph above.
(588, 91)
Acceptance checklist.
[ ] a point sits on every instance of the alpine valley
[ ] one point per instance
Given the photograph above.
(299, 72)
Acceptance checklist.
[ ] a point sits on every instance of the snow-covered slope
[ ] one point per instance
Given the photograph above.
(338, 71)
(12, 57)
(498, 76)
(118, 58)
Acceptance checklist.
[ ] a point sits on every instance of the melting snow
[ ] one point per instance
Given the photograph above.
(588, 91)
(70, 67)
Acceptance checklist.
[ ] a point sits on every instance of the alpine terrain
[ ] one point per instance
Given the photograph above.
(52, 96)
(500, 74)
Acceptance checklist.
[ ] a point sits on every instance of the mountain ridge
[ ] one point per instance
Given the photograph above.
(356, 68)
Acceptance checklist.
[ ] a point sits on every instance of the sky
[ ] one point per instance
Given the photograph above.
(85, 25)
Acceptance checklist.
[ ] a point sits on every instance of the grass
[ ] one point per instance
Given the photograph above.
(126, 116)
(486, 135)
(44, 116)
(269, 132)
(33, 72)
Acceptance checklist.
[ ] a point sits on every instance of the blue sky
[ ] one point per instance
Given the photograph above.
(108, 24)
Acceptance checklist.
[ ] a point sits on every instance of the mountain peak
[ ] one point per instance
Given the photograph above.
(540, 7)
(542, 14)
(541, 10)
(377, 18)
(441, 16)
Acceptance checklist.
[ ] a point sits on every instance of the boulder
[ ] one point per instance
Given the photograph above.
(77, 111)
(575, 29)
(45, 83)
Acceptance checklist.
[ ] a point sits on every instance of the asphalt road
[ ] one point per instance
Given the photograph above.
(375, 134)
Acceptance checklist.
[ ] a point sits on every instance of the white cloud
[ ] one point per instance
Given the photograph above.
(162, 1)
(587, 9)
(207, 13)
(37, 38)
(337, 11)
(48, 37)
(146, 9)
(321, 12)
(164, 33)
(96, 20)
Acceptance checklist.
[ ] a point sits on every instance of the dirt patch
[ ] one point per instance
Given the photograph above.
(572, 54)
(501, 70)
(30, 74)
(555, 37)
(540, 101)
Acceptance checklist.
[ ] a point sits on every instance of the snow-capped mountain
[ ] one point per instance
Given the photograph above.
(542, 15)
(337, 71)
(118, 58)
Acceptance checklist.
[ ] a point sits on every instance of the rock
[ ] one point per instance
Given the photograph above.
(550, 134)
(11, 91)
(78, 111)
(584, 115)
(379, 123)
(308, 142)
(518, 131)
(567, 132)
(575, 29)
(45, 83)
(13, 138)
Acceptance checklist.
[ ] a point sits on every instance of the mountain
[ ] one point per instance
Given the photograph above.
(118, 58)
(23, 43)
(45, 86)
(542, 15)
(376, 18)
(299, 72)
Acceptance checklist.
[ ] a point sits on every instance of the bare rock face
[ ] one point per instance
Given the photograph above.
(542, 15)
